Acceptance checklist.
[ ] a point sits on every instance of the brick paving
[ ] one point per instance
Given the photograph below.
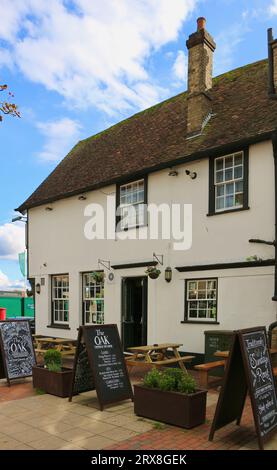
(231, 437)
(29, 421)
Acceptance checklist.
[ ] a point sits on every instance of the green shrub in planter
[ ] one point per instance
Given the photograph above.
(170, 380)
(53, 360)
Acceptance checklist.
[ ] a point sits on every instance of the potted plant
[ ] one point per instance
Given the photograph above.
(98, 276)
(153, 272)
(52, 377)
(170, 396)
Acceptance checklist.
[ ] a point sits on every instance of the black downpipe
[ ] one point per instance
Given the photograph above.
(274, 145)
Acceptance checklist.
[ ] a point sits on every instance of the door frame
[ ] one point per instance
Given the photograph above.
(145, 303)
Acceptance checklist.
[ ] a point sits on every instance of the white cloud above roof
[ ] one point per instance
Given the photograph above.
(92, 53)
(60, 135)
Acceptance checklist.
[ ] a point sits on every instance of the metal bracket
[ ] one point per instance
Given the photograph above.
(159, 258)
(105, 263)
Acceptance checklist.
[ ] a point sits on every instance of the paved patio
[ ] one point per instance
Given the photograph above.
(48, 422)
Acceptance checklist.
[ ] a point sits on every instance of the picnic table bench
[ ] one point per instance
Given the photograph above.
(157, 355)
(65, 346)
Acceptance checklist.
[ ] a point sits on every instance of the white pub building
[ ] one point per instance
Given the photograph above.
(212, 148)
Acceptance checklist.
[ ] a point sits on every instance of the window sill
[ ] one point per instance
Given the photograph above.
(227, 211)
(135, 227)
(201, 322)
(59, 327)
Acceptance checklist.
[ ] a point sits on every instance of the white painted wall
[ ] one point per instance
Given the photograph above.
(57, 245)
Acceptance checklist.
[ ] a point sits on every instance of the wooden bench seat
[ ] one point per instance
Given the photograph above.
(204, 370)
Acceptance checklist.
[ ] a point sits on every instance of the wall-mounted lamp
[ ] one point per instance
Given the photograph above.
(48, 208)
(82, 197)
(168, 274)
(191, 174)
(173, 172)
(38, 289)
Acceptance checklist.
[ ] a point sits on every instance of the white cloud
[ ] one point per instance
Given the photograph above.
(273, 8)
(92, 53)
(226, 44)
(12, 240)
(7, 284)
(60, 135)
(180, 66)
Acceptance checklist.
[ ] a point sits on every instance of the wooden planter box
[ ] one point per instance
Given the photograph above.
(186, 411)
(55, 383)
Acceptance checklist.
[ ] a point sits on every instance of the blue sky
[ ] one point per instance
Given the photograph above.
(78, 66)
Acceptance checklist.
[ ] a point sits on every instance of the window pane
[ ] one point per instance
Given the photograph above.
(202, 314)
(228, 162)
(230, 188)
(238, 172)
(219, 164)
(229, 174)
(239, 199)
(219, 204)
(219, 177)
(238, 159)
(199, 307)
(239, 187)
(220, 190)
(229, 201)
(193, 313)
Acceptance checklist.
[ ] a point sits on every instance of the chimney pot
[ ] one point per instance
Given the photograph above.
(201, 23)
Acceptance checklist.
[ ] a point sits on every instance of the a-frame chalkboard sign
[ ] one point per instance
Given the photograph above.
(248, 369)
(99, 364)
(17, 356)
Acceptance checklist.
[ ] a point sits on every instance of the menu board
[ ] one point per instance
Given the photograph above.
(16, 345)
(248, 369)
(107, 363)
(83, 378)
(261, 380)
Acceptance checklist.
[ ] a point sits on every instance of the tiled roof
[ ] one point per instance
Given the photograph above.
(155, 137)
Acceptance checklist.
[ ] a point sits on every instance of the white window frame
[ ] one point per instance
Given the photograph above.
(96, 288)
(56, 290)
(223, 184)
(198, 299)
(136, 203)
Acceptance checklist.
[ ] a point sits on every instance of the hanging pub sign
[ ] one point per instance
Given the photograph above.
(248, 369)
(17, 356)
(99, 364)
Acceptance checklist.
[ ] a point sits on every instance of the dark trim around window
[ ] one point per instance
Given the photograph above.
(117, 200)
(62, 326)
(245, 206)
(209, 321)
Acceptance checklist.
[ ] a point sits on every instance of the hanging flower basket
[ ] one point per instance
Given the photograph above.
(153, 272)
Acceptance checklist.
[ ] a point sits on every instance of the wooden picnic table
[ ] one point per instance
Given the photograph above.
(65, 346)
(157, 355)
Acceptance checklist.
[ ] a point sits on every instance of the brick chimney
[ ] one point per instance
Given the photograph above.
(201, 47)
(272, 64)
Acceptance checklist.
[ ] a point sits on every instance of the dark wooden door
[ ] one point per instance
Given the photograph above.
(134, 311)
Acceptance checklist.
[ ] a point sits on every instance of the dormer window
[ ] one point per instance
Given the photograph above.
(228, 183)
(131, 204)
